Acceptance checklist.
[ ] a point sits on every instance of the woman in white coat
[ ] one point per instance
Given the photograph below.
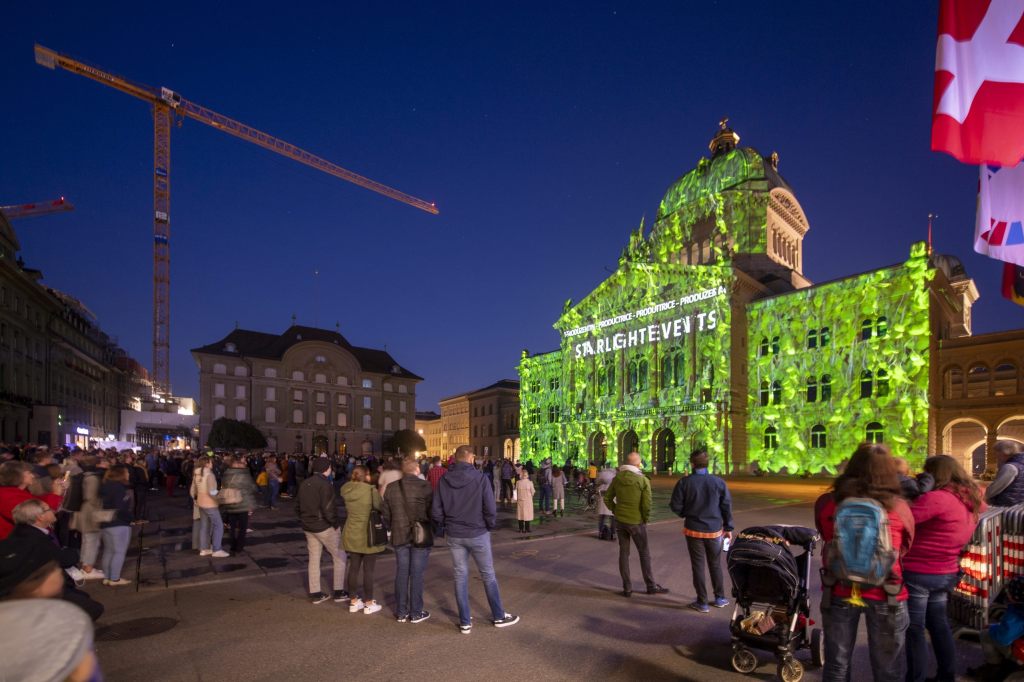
(524, 501)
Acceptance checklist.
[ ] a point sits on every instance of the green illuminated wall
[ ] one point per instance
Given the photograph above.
(900, 295)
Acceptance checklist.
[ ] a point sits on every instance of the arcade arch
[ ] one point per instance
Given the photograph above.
(965, 439)
(663, 447)
(628, 442)
(597, 447)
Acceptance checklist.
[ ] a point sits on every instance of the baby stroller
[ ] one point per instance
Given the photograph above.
(773, 609)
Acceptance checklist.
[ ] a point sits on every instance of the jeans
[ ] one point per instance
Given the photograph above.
(927, 610)
(90, 547)
(209, 520)
(638, 534)
(410, 562)
(273, 486)
(480, 549)
(238, 526)
(360, 562)
(115, 547)
(706, 550)
(887, 629)
(545, 497)
(330, 540)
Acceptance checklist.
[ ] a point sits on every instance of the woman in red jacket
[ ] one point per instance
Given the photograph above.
(870, 473)
(945, 519)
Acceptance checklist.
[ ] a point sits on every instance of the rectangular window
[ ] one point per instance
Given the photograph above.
(218, 390)
(298, 396)
(270, 415)
(387, 405)
(343, 399)
(321, 397)
(367, 383)
(240, 392)
(271, 394)
(387, 423)
(241, 371)
(342, 419)
(367, 403)
(320, 378)
(401, 423)
(240, 413)
(270, 372)
(401, 406)
(387, 386)
(366, 422)
(218, 411)
(402, 388)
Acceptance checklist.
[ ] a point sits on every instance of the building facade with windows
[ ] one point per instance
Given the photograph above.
(428, 425)
(487, 419)
(709, 334)
(307, 390)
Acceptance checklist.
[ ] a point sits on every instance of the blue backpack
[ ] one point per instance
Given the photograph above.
(861, 550)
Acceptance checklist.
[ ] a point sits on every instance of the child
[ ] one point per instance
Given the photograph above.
(998, 639)
(912, 487)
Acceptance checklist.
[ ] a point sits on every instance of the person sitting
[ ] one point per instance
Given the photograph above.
(997, 641)
(34, 520)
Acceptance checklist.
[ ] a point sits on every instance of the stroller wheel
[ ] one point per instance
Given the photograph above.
(817, 648)
(791, 671)
(744, 661)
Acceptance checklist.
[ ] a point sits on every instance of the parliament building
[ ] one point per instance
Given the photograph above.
(709, 333)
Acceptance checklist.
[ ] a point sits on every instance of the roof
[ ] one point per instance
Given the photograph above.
(253, 344)
(427, 416)
(510, 384)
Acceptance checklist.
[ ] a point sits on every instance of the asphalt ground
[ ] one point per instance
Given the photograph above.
(248, 618)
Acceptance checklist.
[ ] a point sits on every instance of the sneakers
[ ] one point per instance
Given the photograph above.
(220, 554)
(419, 617)
(318, 597)
(371, 607)
(506, 620)
(341, 596)
(94, 574)
(356, 605)
(402, 619)
(657, 589)
(720, 602)
(699, 607)
(465, 629)
(205, 552)
(118, 582)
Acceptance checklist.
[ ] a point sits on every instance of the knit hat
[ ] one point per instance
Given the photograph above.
(44, 639)
(20, 558)
(321, 464)
(1015, 588)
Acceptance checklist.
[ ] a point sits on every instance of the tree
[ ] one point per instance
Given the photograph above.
(229, 434)
(406, 442)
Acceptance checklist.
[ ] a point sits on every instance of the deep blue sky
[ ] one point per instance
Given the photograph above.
(543, 131)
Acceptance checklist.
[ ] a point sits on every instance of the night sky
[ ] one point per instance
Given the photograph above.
(544, 132)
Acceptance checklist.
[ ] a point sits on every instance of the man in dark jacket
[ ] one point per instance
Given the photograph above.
(405, 502)
(463, 508)
(1007, 489)
(319, 517)
(703, 501)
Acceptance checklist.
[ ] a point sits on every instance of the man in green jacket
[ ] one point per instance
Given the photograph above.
(629, 499)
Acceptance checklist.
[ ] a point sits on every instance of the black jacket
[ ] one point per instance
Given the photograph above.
(240, 478)
(703, 502)
(315, 505)
(419, 496)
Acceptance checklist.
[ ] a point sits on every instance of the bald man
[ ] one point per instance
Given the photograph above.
(629, 499)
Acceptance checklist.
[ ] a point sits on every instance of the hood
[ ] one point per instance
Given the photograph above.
(461, 474)
(630, 467)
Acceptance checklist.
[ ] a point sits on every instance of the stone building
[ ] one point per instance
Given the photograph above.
(709, 334)
(428, 425)
(307, 390)
(487, 419)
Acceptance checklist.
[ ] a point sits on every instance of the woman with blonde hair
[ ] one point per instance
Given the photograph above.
(944, 519)
(360, 499)
(524, 501)
(204, 494)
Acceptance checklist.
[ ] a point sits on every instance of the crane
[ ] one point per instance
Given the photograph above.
(167, 105)
(39, 208)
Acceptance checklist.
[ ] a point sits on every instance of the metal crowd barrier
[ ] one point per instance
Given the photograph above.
(994, 554)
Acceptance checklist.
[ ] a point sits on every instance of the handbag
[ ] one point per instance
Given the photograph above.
(420, 532)
(376, 533)
(229, 496)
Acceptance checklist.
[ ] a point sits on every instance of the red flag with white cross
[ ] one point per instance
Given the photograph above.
(978, 113)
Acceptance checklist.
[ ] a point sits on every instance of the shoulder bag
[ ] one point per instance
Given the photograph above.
(420, 533)
(376, 533)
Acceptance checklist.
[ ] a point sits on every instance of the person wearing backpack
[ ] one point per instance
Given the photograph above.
(866, 527)
(944, 521)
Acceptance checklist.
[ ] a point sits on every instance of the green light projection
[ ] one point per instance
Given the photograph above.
(876, 345)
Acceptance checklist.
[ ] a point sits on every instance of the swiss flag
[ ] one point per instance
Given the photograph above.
(978, 113)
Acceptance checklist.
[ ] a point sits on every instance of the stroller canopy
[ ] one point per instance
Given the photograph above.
(762, 564)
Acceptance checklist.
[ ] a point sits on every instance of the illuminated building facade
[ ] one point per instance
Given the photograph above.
(709, 334)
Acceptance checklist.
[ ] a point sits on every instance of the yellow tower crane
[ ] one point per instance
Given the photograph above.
(166, 105)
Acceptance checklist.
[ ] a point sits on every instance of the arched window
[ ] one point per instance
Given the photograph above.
(882, 383)
(824, 337)
(776, 392)
(764, 393)
(644, 375)
(633, 378)
(297, 375)
(819, 439)
(771, 438)
(552, 414)
(978, 379)
(764, 347)
(667, 379)
(873, 433)
(882, 327)
(866, 328)
(812, 390)
(679, 363)
(1004, 380)
(812, 338)
(611, 378)
(826, 387)
(865, 383)
(602, 378)
(775, 345)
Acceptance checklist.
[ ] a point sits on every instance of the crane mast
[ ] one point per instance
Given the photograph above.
(166, 104)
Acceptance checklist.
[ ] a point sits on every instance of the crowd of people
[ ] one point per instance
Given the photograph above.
(66, 517)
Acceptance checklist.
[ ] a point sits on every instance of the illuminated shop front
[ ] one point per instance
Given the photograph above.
(709, 334)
